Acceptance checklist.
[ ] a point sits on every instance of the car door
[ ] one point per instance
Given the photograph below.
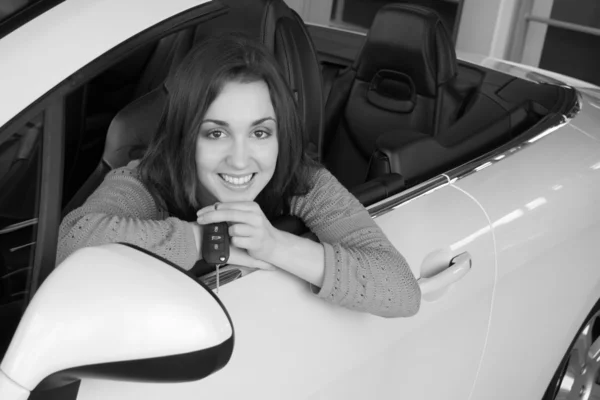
(291, 344)
(547, 226)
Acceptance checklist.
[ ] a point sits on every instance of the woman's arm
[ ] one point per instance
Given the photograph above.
(122, 210)
(299, 256)
(362, 269)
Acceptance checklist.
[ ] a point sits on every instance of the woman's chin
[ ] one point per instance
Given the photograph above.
(236, 197)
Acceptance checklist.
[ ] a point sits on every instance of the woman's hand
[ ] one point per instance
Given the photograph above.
(241, 257)
(249, 228)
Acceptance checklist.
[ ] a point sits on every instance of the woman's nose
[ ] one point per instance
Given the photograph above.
(238, 154)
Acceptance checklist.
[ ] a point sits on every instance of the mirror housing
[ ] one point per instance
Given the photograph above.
(117, 312)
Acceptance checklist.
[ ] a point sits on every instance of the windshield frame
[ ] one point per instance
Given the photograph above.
(24, 14)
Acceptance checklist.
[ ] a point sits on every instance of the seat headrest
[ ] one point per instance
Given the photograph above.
(132, 129)
(411, 40)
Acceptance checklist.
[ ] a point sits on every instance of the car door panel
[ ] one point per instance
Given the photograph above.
(543, 204)
(291, 344)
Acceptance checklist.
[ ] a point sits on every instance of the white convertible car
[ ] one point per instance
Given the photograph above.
(484, 174)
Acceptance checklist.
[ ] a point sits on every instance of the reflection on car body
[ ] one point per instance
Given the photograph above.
(523, 206)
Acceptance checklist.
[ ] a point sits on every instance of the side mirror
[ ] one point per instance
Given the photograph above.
(115, 312)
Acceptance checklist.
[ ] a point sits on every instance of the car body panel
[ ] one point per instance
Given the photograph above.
(291, 344)
(542, 199)
(587, 121)
(522, 70)
(74, 34)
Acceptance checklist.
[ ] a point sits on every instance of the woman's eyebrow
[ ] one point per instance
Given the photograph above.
(223, 123)
(260, 121)
(216, 122)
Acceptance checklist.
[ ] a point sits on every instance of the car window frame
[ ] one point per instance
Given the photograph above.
(177, 22)
(26, 14)
(50, 180)
(52, 104)
(49, 206)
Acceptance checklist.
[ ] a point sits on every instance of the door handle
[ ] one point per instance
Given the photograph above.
(434, 287)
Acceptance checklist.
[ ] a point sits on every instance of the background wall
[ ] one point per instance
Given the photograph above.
(559, 35)
(486, 26)
(569, 52)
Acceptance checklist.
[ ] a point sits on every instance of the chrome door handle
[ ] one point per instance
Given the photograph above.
(435, 286)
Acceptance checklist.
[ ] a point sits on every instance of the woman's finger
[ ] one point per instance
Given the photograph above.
(241, 242)
(206, 209)
(241, 230)
(228, 215)
(234, 205)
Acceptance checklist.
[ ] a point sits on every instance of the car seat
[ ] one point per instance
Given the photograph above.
(270, 21)
(399, 81)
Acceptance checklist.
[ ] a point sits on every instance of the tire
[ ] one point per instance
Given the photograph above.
(578, 374)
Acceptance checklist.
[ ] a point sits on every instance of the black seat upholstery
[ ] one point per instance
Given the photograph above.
(399, 81)
(270, 21)
(496, 113)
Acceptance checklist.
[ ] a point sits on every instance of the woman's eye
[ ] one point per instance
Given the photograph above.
(261, 134)
(216, 134)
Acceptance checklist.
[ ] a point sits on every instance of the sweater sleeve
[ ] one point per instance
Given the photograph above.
(123, 210)
(363, 270)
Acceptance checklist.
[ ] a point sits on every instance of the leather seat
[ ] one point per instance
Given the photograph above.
(270, 21)
(401, 80)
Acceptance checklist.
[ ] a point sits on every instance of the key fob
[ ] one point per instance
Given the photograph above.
(215, 243)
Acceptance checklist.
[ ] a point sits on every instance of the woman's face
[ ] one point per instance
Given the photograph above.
(236, 148)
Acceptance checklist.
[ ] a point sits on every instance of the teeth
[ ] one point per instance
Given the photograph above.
(237, 180)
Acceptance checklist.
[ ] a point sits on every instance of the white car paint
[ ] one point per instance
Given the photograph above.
(548, 264)
(512, 67)
(291, 344)
(68, 37)
(145, 320)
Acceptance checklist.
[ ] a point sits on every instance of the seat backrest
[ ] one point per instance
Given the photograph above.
(270, 21)
(285, 34)
(397, 82)
(167, 54)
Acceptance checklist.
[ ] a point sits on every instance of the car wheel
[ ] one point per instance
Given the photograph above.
(578, 375)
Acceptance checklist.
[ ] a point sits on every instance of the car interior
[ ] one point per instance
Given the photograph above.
(403, 112)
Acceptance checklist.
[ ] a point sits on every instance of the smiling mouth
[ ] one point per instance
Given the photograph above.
(237, 181)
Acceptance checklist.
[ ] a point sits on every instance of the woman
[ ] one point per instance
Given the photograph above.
(231, 148)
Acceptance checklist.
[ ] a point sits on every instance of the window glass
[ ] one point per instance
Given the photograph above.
(20, 165)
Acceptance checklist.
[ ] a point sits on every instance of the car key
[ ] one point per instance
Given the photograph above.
(215, 245)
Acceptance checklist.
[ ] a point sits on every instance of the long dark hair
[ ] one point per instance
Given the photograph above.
(169, 167)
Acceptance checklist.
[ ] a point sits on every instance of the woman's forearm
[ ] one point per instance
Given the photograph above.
(299, 256)
(171, 238)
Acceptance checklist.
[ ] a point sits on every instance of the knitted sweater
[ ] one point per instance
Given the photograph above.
(363, 271)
